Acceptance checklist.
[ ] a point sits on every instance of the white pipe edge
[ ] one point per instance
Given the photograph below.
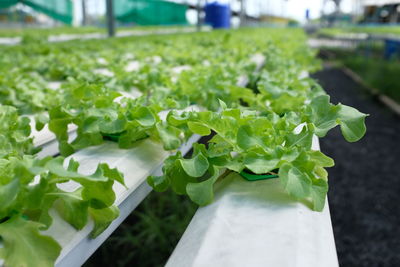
(145, 159)
(256, 224)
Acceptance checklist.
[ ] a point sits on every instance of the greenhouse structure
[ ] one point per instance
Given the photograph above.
(198, 133)
(142, 12)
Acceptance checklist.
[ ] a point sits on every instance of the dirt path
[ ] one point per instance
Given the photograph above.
(365, 183)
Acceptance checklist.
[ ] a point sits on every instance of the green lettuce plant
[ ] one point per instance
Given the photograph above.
(30, 187)
(260, 143)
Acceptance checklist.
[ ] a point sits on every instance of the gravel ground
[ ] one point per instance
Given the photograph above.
(364, 192)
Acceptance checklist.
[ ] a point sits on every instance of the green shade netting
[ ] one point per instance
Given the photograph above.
(7, 3)
(60, 10)
(150, 12)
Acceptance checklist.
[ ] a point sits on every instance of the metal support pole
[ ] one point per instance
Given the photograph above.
(198, 9)
(242, 13)
(84, 21)
(110, 18)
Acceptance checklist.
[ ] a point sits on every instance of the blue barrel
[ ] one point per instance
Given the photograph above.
(392, 48)
(218, 15)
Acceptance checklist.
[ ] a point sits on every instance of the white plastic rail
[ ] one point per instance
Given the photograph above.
(256, 224)
(87, 36)
(136, 164)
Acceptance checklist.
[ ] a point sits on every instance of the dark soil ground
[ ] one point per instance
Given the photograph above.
(364, 192)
